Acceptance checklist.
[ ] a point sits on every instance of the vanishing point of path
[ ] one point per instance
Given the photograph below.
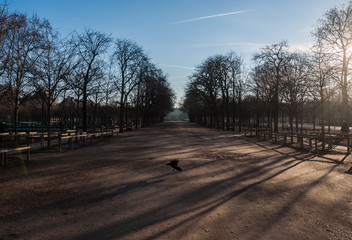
(231, 187)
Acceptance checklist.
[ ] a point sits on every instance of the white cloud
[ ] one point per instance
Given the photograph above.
(211, 16)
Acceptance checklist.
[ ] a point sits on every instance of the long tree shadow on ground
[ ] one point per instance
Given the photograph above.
(203, 200)
(150, 198)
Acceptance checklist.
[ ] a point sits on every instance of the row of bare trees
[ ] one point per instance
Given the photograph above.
(294, 85)
(214, 89)
(95, 70)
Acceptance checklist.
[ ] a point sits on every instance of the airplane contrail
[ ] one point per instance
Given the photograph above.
(177, 66)
(247, 44)
(211, 16)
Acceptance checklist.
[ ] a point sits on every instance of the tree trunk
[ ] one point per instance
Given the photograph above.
(276, 106)
(223, 114)
(16, 124)
(84, 108)
(16, 117)
(77, 116)
(49, 125)
(291, 122)
(240, 114)
(227, 113)
(322, 123)
(344, 84)
(121, 117)
(42, 127)
(137, 107)
(234, 116)
(95, 117)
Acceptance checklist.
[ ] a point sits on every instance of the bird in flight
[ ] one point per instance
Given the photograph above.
(174, 165)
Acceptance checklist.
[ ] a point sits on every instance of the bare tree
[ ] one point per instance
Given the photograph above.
(240, 91)
(216, 84)
(256, 87)
(51, 70)
(91, 45)
(128, 57)
(75, 83)
(23, 46)
(275, 58)
(4, 34)
(208, 86)
(157, 98)
(323, 74)
(97, 97)
(146, 71)
(108, 92)
(334, 31)
(235, 69)
(295, 85)
(265, 89)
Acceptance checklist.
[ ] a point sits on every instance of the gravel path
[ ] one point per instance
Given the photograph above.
(231, 187)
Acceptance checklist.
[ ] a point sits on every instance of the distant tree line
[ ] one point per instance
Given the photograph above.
(283, 86)
(85, 80)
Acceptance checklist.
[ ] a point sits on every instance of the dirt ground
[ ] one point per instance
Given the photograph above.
(231, 187)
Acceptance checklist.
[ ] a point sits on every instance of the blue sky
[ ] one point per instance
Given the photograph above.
(177, 45)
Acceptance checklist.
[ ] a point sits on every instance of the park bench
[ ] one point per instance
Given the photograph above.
(314, 140)
(71, 132)
(4, 137)
(31, 137)
(69, 135)
(37, 137)
(31, 133)
(5, 152)
(81, 136)
(63, 138)
(285, 127)
(17, 136)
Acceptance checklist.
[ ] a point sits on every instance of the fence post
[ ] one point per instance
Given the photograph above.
(316, 144)
(330, 144)
(348, 145)
(28, 154)
(5, 159)
(59, 144)
(42, 141)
